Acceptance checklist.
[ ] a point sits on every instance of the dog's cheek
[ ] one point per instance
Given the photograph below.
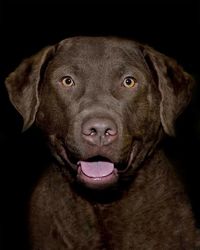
(47, 122)
(40, 119)
(143, 118)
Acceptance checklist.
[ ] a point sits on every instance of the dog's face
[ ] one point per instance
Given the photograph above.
(98, 105)
(102, 103)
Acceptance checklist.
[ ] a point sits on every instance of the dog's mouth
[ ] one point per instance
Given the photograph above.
(97, 172)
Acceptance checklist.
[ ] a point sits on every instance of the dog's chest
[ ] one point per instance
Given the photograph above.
(131, 223)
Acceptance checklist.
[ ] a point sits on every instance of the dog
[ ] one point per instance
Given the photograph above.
(104, 104)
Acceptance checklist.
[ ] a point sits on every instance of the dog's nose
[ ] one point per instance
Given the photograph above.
(99, 131)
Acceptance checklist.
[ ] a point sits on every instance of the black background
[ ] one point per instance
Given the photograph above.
(171, 28)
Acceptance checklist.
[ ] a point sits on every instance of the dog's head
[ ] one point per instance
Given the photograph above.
(103, 103)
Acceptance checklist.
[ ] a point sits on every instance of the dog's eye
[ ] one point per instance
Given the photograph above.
(129, 82)
(67, 81)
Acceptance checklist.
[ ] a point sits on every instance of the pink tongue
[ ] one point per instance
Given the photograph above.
(96, 169)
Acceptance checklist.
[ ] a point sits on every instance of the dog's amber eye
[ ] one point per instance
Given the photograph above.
(67, 81)
(129, 82)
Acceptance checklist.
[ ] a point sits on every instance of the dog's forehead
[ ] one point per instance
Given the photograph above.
(97, 49)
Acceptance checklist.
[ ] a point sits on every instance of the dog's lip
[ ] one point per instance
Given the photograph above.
(120, 167)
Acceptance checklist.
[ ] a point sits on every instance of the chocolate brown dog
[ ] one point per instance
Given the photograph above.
(104, 104)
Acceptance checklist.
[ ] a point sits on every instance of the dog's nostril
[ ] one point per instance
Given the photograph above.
(93, 131)
(110, 131)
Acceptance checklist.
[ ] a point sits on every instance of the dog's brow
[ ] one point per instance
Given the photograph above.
(75, 68)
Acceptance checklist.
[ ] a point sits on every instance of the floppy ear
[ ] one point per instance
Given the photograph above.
(23, 83)
(174, 84)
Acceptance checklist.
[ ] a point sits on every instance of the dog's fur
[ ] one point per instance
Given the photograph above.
(147, 207)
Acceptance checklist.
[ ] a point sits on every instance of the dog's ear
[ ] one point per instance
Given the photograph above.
(23, 83)
(174, 84)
